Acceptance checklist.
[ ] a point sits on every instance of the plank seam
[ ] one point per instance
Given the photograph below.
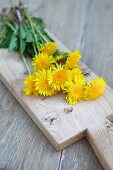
(60, 160)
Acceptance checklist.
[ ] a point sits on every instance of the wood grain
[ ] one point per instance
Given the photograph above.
(98, 39)
(72, 157)
(77, 10)
(66, 129)
(22, 145)
(40, 109)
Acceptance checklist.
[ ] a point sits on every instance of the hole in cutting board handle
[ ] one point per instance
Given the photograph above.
(110, 118)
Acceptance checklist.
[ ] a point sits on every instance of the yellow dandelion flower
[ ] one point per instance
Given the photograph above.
(75, 90)
(73, 59)
(42, 61)
(41, 83)
(29, 83)
(94, 89)
(58, 77)
(49, 48)
(76, 72)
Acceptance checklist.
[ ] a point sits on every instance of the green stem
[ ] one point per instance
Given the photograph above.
(21, 53)
(34, 48)
(10, 26)
(31, 24)
(25, 63)
(48, 36)
(40, 34)
(34, 28)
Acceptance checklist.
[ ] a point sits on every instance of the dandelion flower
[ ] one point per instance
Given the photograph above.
(76, 72)
(95, 88)
(58, 77)
(29, 83)
(75, 90)
(49, 48)
(41, 83)
(42, 61)
(73, 59)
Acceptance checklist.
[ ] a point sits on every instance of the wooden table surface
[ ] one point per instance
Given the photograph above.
(83, 24)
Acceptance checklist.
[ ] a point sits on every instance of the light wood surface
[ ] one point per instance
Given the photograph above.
(67, 21)
(86, 119)
(48, 113)
(23, 146)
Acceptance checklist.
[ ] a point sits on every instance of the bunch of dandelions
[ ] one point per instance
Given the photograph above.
(59, 72)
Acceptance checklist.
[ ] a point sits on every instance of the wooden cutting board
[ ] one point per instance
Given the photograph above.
(61, 123)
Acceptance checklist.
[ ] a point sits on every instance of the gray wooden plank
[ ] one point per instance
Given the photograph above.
(64, 19)
(22, 144)
(79, 157)
(97, 42)
(78, 24)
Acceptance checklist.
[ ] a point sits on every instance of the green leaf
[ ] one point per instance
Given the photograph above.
(57, 52)
(30, 50)
(10, 26)
(5, 36)
(22, 36)
(22, 32)
(13, 42)
(22, 46)
(29, 37)
(65, 55)
(40, 24)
